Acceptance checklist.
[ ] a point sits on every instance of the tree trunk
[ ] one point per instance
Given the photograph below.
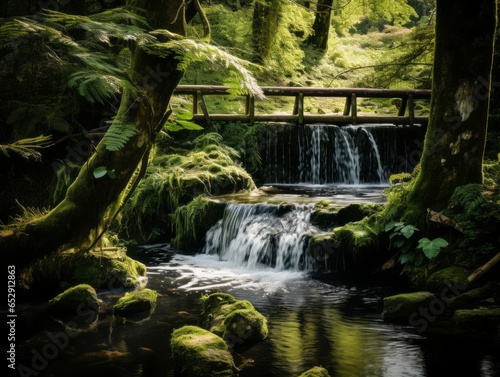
(456, 134)
(90, 203)
(265, 24)
(321, 26)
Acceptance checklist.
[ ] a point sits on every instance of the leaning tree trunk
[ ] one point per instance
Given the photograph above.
(321, 26)
(90, 203)
(455, 139)
(266, 20)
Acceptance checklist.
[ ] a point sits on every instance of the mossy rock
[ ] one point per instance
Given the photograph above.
(109, 270)
(236, 320)
(400, 307)
(356, 212)
(442, 279)
(323, 218)
(197, 352)
(78, 301)
(482, 319)
(315, 372)
(474, 297)
(136, 303)
(192, 221)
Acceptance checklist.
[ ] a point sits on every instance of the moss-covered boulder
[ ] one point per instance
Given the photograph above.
(446, 277)
(236, 320)
(192, 221)
(475, 297)
(354, 249)
(486, 319)
(315, 372)
(137, 303)
(78, 302)
(356, 212)
(197, 352)
(110, 269)
(400, 307)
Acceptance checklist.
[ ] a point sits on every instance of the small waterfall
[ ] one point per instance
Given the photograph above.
(254, 235)
(332, 154)
(325, 154)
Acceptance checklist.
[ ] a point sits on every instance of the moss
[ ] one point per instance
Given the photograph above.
(474, 297)
(324, 218)
(109, 269)
(356, 212)
(136, 302)
(402, 306)
(75, 301)
(441, 279)
(173, 180)
(484, 318)
(315, 372)
(192, 221)
(198, 352)
(236, 320)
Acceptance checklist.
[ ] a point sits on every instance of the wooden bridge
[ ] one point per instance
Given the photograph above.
(404, 112)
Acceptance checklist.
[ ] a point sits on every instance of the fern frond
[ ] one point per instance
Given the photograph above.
(190, 51)
(27, 148)
(118, 135)
(468, 197)
(95, 86)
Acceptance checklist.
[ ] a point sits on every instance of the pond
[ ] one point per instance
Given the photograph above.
(312, 320)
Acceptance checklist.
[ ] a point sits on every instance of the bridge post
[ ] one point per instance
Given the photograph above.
(402, 106)
(411, 109)
(203, 106)
(354, 109)
(347, 106)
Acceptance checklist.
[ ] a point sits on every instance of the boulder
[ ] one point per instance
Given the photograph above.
(486, 319)
(197, 352)
(80, 303)
(137, 303)
(400, 307)
(236, 320)
(450, 276)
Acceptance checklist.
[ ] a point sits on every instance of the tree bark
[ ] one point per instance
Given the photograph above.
(321, 26)
(265, 24)
(456, 135)
(90, 203)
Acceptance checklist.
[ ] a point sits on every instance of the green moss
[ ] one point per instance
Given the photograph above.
(315, 372)
(109, 269)
(174, 180)
(356, 212)
(485, 319)
(234, 319)
(74, 301)
(198, 352)
(192, 221)
(136, 302)
(441, 279)
(401, 306)
(323, 218)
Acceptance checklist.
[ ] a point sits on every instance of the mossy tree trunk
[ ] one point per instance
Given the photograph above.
(456, 135)
(91, 203)
(321, 26)
(265, 23)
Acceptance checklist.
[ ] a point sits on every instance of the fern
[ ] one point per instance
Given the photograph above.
(27, 148)
(95, 86)
(190, 51)
(468, 198)
(118, 135)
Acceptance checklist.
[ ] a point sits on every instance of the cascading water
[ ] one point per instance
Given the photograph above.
(254, 235)
(332, 154)
(328, 154)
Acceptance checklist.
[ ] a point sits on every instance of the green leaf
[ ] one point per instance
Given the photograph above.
(184, 115)
(408, 230)
(189, 125)
(430, 248)
(440, 242)
(173, 127)
(419, 259)
(399, 243)
(390, 226)
(406, 258)
(100, 172)
(111, 173)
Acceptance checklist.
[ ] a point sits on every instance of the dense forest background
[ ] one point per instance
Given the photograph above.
(62, 79)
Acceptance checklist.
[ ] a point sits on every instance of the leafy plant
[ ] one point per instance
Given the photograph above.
(431, 248)
(102, 171)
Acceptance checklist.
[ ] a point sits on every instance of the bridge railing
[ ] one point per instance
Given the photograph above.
(405, 111)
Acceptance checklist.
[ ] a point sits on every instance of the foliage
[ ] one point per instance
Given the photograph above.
(201, 166)
(401, 237)
(27, 148)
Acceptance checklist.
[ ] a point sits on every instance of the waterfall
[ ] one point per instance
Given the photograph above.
(328, 154)
(254, 235)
